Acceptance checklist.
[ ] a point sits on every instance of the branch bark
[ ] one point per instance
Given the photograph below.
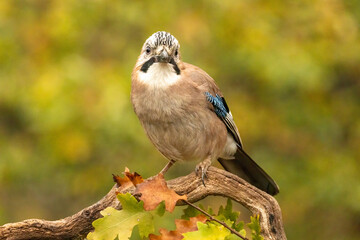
(219, 183)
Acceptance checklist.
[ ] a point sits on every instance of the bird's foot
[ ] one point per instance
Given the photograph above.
(166, 168)
(202, 168)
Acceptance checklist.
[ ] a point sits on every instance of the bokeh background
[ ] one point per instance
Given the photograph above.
(289, 70)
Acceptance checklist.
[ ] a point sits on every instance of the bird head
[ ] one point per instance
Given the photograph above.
(161, 47)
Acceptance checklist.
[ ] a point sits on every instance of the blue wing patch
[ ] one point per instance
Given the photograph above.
(220, 109)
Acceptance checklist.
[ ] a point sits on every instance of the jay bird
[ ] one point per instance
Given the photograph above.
(185, 115)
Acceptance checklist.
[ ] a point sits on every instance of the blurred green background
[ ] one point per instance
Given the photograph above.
(290, 71)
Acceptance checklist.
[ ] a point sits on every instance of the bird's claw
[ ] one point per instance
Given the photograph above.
(201, 172)
(202, 168)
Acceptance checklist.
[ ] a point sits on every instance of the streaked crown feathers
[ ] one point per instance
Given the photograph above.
(162, 38)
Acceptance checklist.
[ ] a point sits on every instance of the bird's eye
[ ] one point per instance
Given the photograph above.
(176, 53)
(148, 50)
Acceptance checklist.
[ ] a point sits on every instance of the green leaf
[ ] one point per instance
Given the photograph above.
(190, 212)
(160, 209)
(233, 237)
(208, 231)
(209, 210)
(239, 227)
(121, 223)
(227, 213)
(254, 225)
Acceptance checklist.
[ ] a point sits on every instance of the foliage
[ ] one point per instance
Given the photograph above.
(155, 191)
(289, 71)
(129, 179)
(255, 228)
(228, 214)
(225, 214)
(120, 223)
(182, 226)
(208, 231)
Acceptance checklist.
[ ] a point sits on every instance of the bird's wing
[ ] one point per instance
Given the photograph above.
(215, 98)
(222, 111)
(242, 165)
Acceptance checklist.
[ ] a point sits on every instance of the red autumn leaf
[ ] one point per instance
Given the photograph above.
(129, 180)
(182, 226)
(154, 191)
(135, 178)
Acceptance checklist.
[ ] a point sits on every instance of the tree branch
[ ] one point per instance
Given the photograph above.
(219, 182)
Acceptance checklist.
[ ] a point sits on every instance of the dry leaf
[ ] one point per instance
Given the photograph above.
(155, 191)
(135, 178)
(182, 226)
(129, 180)
(123, 182)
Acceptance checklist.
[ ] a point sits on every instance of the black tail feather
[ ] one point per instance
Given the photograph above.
(246, 168)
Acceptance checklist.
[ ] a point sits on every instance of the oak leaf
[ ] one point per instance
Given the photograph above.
(254, 225)
(129, 180)
(182, 226)
(120, 224)
(154, 191)
(208, 231)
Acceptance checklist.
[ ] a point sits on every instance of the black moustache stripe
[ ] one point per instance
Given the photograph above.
(152, 60)
(147, 64)
(175, 66)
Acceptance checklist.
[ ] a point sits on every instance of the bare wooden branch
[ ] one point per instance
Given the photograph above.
(219, 182)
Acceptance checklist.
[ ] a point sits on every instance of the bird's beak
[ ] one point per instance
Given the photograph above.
(163, 57)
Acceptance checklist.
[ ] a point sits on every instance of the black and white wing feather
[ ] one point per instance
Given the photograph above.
(222, 111)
